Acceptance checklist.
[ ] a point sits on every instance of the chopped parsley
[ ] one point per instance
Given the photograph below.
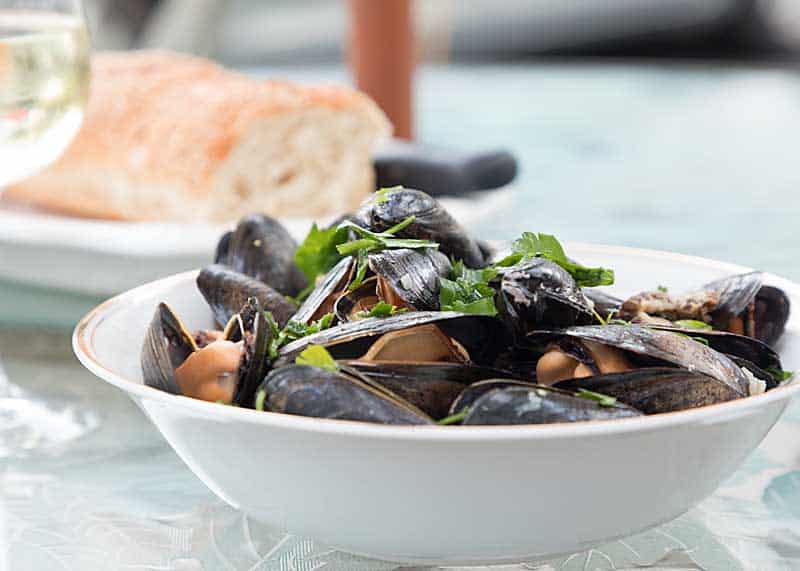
(453, 418)
(382, 309)
(693, 324)
(599, 398)
(532, 245)
(468, 291)
(778, 374)
(317, 356)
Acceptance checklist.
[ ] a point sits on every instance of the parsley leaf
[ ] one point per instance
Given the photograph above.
(778, 374)
(453, 418)
(318, 253)
(468, 291)
(382, 309)
(294, 330)
(662, 289)
(599, 398)
(317, 356)
(382, 194)
(693, 324)
(533, 245)
(374, 241)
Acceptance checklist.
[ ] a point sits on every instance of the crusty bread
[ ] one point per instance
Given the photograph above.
(169, 136)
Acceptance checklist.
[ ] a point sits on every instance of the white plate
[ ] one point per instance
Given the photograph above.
(101, 257)
(448, 495)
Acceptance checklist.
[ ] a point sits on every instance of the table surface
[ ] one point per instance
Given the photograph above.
(699, 159)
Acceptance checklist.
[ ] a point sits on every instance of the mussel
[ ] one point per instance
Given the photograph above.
(409, 278)
(320, 393)
(539, 294)
(413, 336)
(540, 405)
(262, 248)
(591, 350)
(467, 397)
(655, 390)
(431, 222)
(227, 290)
(227, 369)
(606, 305)
(432, 387)
(739, 304)
(329, 289)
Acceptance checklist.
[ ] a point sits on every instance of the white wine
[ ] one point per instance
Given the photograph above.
(44, 85)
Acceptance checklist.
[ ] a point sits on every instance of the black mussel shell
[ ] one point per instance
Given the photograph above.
(482, 337)
(606, 305)
(432, 222)
(736, 293)
(352, 303)
(539, 405)
(322, 299)
(666, 346)
(319, 393)
(167, 344)
(431, 387)
(411, 275)
(255, 363)
(223, 247)
(262, 248)
(473, 392)
(539, 294)
(226, 291)
(741, 346)
(656, 390)
(772, 309)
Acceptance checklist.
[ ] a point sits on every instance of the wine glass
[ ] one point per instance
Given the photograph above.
(44, 82)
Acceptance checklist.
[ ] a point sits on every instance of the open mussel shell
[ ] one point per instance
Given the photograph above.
(481, 337)
(323, 298)
(223, 247)
(772, 309)
(431, 222)
(432, 387)
(227, 290)
(473, 392)
(410, 278)
(759, 310)
(256, 335)
(655, 390)
(732, 344)
(539, 405)
(666, 346)
(319, 393)
(539, 294)
(262, 248)
(167, 344)
(352, 303)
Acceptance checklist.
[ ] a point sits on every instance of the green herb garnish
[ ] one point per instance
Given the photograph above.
(662, 289)
(453, 418)
(693, 338)
(318, 254)
(382, 194)
(532, 245)
(261, 396)
(778, 374)
(317, 356)
(693, 324)
(599, 398)
(370, 241)
(293, 330)
(468, 290)
(382, 309)
(362, 265)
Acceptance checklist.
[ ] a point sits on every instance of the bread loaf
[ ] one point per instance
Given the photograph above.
(174, 137)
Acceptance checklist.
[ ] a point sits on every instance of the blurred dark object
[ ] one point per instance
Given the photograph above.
(442, 171)
(278, 32)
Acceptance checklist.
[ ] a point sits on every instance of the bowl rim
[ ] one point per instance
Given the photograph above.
(84, 332)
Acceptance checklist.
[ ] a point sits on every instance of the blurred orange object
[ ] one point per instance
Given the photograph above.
(382, 56)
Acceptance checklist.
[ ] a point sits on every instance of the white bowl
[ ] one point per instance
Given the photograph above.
(447, 495)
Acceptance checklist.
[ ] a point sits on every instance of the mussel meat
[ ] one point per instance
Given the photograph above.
(167, 344)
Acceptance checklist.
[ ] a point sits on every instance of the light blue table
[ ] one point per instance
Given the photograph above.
(700, 159)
